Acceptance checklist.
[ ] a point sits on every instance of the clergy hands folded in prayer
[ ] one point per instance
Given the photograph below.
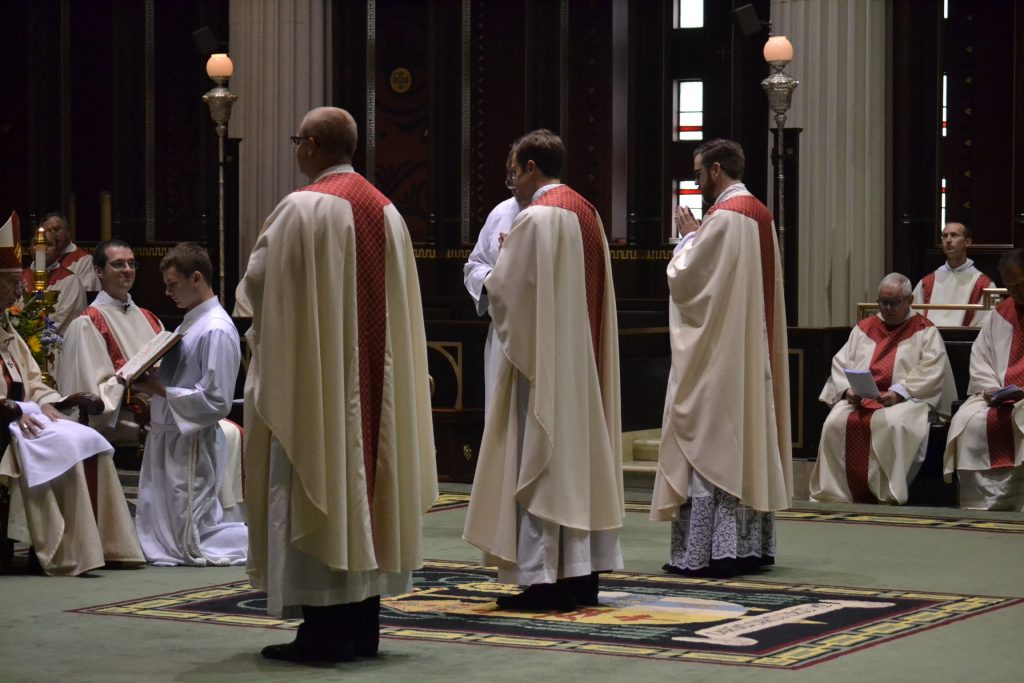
(685, 222)
(501, 239)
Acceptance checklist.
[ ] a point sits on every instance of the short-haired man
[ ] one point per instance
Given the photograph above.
(48, 465)
(871, 449)
(984, 446)
(724, 464)
(179, 518)
(71, 298)
(547, 500)
(69, 255)
(339, 440)
(957, 281)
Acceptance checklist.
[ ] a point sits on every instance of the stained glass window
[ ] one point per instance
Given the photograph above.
(945, 105)
(689, 195)
(942, 202)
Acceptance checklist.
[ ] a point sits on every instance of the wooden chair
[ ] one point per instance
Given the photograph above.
(87, 404)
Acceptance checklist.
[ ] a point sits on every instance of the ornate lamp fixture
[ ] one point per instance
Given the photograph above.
(219, 68)
(779, 87)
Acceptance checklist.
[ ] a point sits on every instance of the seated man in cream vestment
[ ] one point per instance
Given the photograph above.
(98, 343)
(69, 254)
(985, 446)
(957, 281)
(871, 449)
(70, 528)
(724, 463)
(71, 297)
(547, 501)
(339, 439)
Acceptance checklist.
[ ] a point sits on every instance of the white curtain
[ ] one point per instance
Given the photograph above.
(281, 52)
(839, 49)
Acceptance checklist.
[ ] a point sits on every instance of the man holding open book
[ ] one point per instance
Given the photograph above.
(874, 439)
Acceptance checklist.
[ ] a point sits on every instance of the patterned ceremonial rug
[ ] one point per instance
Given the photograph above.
(454, 501)
(663, 617)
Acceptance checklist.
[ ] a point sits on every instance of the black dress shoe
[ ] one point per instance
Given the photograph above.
(540, 597)
(311, 647)
(703, 572)
(584, 589)
(366, 627)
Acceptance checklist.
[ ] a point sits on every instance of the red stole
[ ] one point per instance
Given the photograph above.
(999, 421)
(72, 257)
(371, 301)
(976, 293)
(564, 197)
(749, 206)
(114, 349)
(53, 277)
(858, 424)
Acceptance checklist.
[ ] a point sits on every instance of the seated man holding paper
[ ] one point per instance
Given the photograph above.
(180, 519)
(984, 444)
(875, 437)
(107, 338)
(69, 508)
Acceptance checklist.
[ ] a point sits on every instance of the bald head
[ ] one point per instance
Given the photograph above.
(331, 137)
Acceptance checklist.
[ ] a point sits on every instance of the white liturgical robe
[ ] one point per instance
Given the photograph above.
(179, 518)
(71, 297)
(960, 285)
(79, 262)
(65, 503)
(339, 435)
(870, 452)
(550, 461)
(726, 412)
(985, 445)
(478, 267)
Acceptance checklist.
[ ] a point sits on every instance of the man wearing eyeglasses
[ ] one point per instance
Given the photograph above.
(957, 281)
(547, 501)
(69, 255)
(101, 340)
(339, 437)
(872, 447)
(479, 266)
(724, 463)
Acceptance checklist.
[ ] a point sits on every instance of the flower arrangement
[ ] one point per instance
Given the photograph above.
(38, 331)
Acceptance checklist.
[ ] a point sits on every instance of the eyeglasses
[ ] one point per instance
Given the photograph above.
(123, 265)
(891, 303)
(297, 139)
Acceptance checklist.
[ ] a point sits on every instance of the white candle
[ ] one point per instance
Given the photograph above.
(40, 264)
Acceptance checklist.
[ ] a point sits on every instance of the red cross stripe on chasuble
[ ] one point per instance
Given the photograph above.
(858, 424)
(564, 197)
(749, 206)
(927, 285)
(114, 349)
(371, 241)
(976, 293)
(54, 276)
(999, 421)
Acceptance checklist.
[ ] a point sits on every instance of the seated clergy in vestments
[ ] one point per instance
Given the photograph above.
(99, 342)
(984, 444)
(48, 465)
(956, 281)
(871, 449)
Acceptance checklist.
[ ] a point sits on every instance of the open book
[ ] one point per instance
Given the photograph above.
(862, 383)
(153, 351)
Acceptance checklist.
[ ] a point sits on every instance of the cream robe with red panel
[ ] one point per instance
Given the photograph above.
(849, 467)
(569, 468)
(307, 383)
(727, 401)
(980, 445)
